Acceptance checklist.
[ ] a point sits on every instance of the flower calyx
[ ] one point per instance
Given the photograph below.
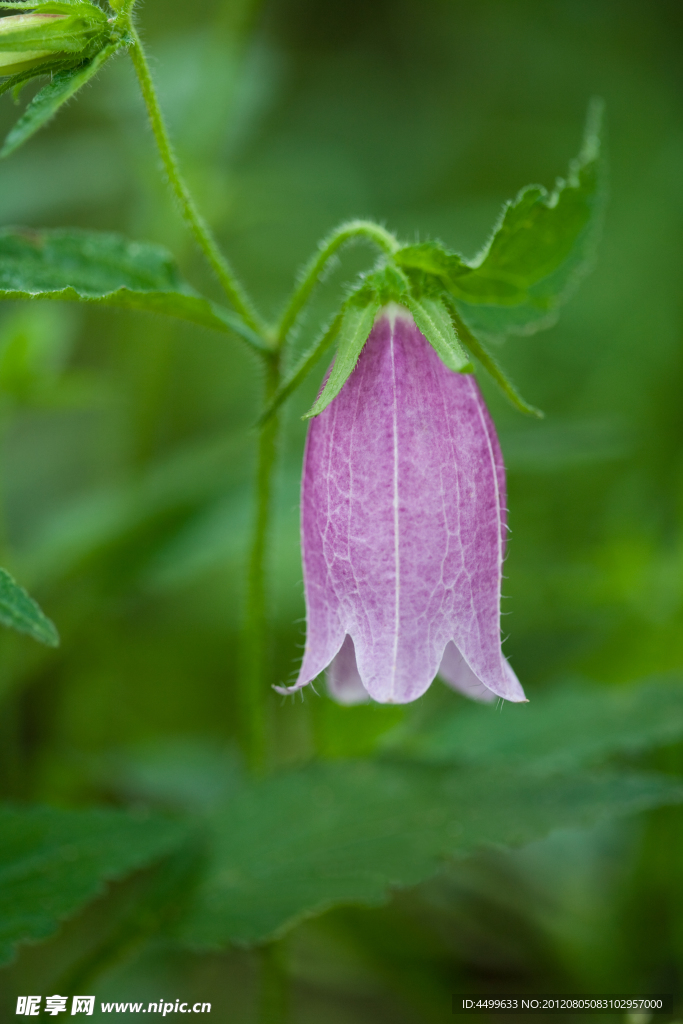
(67, 40)
(49, 37)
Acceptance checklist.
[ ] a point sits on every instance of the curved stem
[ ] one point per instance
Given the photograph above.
(366, 229)
(254, 668)
(200, 229)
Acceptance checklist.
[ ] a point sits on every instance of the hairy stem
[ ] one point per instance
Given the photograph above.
(200, 229)
(365, 229)
(254, 669)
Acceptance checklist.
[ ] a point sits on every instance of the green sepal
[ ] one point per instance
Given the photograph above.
(19, 611)
(302, 369)
(474, 346)
(358, 317)
(80, 26)
(388, 284)
(433, 260)
(431, 317)
(31, 7)
(50, 66)
(96, 267)
(52, 96)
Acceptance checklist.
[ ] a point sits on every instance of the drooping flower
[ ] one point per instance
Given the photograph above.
(403, 525)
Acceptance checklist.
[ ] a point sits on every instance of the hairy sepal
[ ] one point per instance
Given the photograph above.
(72, 31)
(491, 365)
(357, 322)
(431, 317)
(302, 368)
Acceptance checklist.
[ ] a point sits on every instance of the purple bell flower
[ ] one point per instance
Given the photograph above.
(403, 525)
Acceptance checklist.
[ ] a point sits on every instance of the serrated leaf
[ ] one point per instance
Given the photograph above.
(52, 96)
(53, 861)
(89, 266)
(431, 316)
(541, 247)
(566, 728)
(19, 611)
(294, 846)
(356, 324)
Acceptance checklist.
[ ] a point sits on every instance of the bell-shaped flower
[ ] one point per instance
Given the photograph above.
(403, 524)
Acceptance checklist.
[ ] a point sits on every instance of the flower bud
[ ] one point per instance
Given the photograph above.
(12, 31)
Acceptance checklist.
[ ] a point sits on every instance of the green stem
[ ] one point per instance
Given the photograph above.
(274, 994)
(254, 669)
(310, 276)
(200, 229)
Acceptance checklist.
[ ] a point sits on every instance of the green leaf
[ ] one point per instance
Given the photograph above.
(431, 316)
(302, 369)
(52, 96)
(561, 730)
(19, 611)
(294, 846)
(541, 247)
(54, 861)
(489, 363)
(89, 266)
(357, 320)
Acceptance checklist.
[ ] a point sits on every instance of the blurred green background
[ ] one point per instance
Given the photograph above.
(127, 450)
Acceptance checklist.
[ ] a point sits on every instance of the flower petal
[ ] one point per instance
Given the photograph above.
(403, 512)
(343, 680)
(455, 671)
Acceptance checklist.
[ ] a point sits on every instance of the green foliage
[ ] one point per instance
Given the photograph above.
(101, 499)
(294, 846)
(539, 235)
(560, 730)
(87, 266)
(19, 611)
(541, 246)
(53, 861)
(356, 324)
